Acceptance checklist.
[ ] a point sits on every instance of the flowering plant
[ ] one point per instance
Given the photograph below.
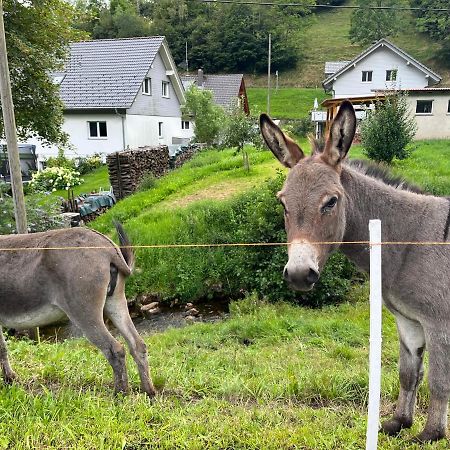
(55, 178)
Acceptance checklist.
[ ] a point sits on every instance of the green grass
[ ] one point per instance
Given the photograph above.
(286, 103)
(428, 166)
(270, 377)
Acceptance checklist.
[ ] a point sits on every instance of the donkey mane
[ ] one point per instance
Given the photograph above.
(371, 169)
(382, 173)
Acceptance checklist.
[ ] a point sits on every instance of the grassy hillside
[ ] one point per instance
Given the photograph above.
(286, 103)
(326, 39)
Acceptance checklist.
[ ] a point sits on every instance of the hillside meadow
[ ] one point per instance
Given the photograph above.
(269, 376)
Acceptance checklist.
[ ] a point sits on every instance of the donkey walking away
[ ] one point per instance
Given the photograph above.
(327, 199)
(48, 283)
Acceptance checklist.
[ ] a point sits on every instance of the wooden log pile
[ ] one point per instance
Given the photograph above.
(127, 168)
(182, 157)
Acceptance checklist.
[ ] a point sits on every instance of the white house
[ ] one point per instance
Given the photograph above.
(430, 107)
(120, 93)
(381, 66)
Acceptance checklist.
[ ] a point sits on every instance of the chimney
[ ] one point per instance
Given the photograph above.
(200, 78)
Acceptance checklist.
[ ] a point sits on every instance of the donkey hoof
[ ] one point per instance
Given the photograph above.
(10, 377)
(392, 427)
(429, 436)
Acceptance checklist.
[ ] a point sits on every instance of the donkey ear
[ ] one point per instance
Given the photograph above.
(341, 135)
(282, 146)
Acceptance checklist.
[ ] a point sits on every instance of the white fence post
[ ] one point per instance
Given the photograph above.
(375, 336)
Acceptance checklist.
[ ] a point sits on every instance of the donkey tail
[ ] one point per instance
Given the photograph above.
(125, 245)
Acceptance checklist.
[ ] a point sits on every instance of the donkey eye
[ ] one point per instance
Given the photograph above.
(329, 205)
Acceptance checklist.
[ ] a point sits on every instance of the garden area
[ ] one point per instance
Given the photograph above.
(275, 373)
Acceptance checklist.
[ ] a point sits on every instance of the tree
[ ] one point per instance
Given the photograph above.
(239, 130)
(208, 117)
(387, 130)
(37, 35)
(436, 24)
(369, 25)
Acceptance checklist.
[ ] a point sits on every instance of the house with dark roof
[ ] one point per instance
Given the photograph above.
(120, 93)
(381, 66)
(228, 90)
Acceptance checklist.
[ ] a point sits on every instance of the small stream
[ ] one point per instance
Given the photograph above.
(175, 316)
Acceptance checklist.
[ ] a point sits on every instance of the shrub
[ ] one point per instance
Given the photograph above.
(387, 131)
(147, 182)
(300, 127)
(43, 213)
(55, 178)
(230, 272)
(86, 164)
(60, 161)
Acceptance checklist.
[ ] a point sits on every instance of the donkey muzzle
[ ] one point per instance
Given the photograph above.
(301, 271)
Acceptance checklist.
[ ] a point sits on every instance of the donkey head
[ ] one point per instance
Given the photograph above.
(312, 196)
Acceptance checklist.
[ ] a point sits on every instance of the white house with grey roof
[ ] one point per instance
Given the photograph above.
(381, 66)
(120, 93)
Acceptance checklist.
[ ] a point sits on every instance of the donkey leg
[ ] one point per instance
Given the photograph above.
(93, 327)
(412, 346)
(439, 383)
(116, 309)
(8, 374)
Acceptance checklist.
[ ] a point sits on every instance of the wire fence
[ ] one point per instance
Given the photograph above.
(229, 244)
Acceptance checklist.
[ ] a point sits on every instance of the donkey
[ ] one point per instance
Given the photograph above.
(325, 199)
(43, 282)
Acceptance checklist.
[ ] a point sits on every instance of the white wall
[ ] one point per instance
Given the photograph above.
(143, 130)
(350, 83)
(80, 144)
(435, 125)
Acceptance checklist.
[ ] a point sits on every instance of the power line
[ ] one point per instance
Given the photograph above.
(309, 5)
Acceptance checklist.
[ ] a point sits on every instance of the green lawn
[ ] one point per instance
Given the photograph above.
(286, 103)
(270, 377)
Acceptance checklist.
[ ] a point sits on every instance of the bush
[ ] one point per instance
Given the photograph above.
(86, 164)
(147, 182)
(300, 127)
(60, 161)
(229, 272)
(387, 131)
(43, 213)
(55, 178)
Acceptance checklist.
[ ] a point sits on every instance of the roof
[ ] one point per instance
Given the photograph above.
(333, 66)
(107, 73)
(353, 100)
(426, 89)
(225, 88)
(383, 42)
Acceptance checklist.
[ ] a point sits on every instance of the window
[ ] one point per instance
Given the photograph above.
(424, 107)
(448, 107)
(97, 130)
(147, 86)
(366, 76)
(391, 75)
(165, 89)
(160, 129)
(185, 124)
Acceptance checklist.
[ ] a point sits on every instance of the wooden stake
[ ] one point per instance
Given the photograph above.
(9, 123)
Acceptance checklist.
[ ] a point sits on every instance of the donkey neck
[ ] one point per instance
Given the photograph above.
(401, 213)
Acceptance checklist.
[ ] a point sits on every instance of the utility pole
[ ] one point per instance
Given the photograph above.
(268, 73)
(9, 123)
(187, 62)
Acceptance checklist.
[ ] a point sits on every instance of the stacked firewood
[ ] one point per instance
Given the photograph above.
(182, 157)
(126, 169)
